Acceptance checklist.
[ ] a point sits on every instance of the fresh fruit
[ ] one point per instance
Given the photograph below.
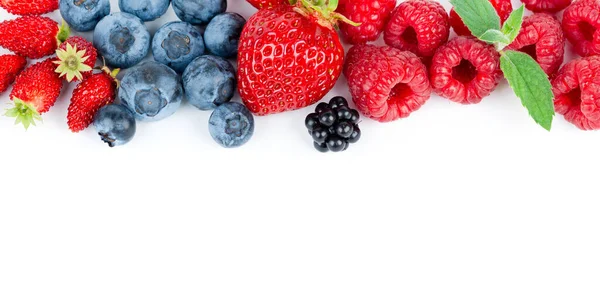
(76, 58)
(372, 16)
(465, 70)
(580, 24)
(386, 83)
(231, 125)
(577, 92)
(10, 67)
(35, 92)
(264, 4)
(147, 10)
(502, 7)
(33, 37)
(546, 6)
(287, 60)
(418, 26)
(333, 126)
(89, 96)
(222, 34)
(198, 12)
(152, 91)
(209, 81)
(122, 39)
(176, 44)
(115, 124)
(542, 38)
(29, 7)
(83, 15)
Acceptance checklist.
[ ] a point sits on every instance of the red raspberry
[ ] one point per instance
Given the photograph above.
(503, 8)
(577, 92)
(542, 38)
(580, 24)
(547, 6)
(386, 84)
(372, 16)
(465, 70)
(419, 26)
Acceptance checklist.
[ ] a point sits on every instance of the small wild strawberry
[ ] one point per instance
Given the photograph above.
(10, 67)
(76, 58)
(29, 7)
(33, 37)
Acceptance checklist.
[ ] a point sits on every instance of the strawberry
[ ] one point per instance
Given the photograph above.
(289, 57)
(33, 37)
(372, 16)
(10, 67)
(29, 7)
(76, 57)
(264, 4)
(89, 96)
(35, 92)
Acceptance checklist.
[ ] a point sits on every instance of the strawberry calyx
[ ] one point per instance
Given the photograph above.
(24, 113)
(71, 63)
(63, 33)
(112, 74)
(323, 11)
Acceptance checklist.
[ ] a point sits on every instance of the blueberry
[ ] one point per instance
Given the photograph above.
(343, 113)
(231, 125)
(198, 11)
(122, 39)
(321, 147)
(222, 34)
(338, 101)
(327, 117)
(115, 124)
(176, 44)
(146, 10)
(336, 143)
(344, 129)
(152, 91)
(321, 107)
(320, 134)
(83, 15)
(355, 136)
(209, 81)
(355, 116)
(311, 121)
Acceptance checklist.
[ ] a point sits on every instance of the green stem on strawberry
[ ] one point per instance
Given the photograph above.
(24, 113)
(63, 33)
(323, 11)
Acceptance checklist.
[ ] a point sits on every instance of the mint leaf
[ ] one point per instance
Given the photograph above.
(478, 15)
(530, 84)
(494, 36)
(512, 25)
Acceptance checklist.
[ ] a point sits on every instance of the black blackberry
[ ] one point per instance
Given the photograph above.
(333, 126)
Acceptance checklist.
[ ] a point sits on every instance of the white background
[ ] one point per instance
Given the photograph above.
(452, 193)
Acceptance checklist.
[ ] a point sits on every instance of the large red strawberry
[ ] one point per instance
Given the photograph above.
(263, 4)
(29, 7)
(10, 67)
(35, 92)
(33, 37)
(76, 58)
(89, 96)
(289, 57)
(372, 15)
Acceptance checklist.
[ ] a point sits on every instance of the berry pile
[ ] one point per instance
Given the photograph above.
(333, 126)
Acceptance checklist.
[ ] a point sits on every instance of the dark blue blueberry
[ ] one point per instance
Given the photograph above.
(176, 44)
(122, 39)
(83, 15)
(115, 124)
(146, 10)
(152, 91)
(222, 34)
(209, 81)
(198, 11)
(231, 125)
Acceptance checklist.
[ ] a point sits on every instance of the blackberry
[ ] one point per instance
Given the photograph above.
(333, 126)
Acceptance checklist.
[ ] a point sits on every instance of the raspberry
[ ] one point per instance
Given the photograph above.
(547, 6)
(386, 84)
(465, 70)
(577, 92)
(542, 38)
(372, 16)
(580, 23)
(418, 26)
(503, 8)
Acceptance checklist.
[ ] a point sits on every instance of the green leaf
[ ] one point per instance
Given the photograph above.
(512, 25)
(494, 36)
(478, 15)
(530, 84)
